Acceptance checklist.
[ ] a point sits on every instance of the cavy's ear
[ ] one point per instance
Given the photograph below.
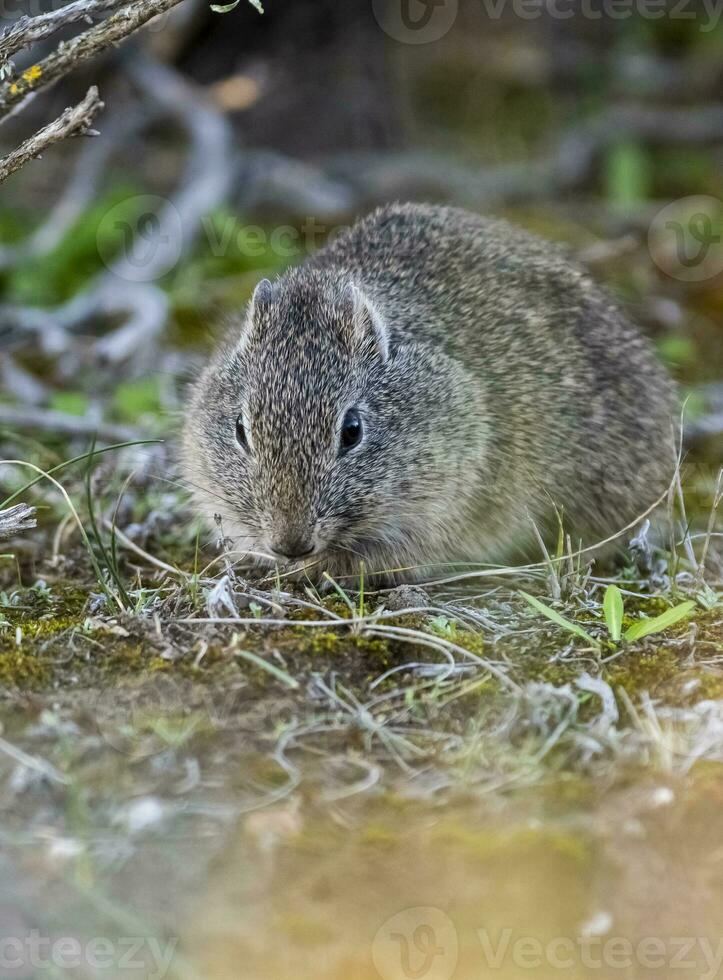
(263, 296)
(262, 299)
(370, 330)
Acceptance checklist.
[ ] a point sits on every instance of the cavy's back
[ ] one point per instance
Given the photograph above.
(581, 410)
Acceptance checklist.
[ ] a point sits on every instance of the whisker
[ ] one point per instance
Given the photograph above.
(194, 486)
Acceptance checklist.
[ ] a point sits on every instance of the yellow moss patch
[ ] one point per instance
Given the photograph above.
(643, 672)
(306, 930)
(377, 835)
(41, 629)
(19, 669)
(321, 642)
(489, 844)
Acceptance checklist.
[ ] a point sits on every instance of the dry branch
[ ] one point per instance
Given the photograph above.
(70, 54)
(21, 517)
(27, 30)
(75, 121)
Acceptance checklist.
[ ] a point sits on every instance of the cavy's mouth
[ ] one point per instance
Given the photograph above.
(316, 567)
(315, 561)
(344, 561)
(345, 565)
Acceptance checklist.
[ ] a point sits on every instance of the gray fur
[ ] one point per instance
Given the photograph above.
(495, 381)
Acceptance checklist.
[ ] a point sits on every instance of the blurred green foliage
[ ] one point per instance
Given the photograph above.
(70, 402)
(133, 399)
(57, 277)
(627, 174)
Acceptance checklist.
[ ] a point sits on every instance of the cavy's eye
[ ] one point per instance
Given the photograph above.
(241, 433)
(351, 430)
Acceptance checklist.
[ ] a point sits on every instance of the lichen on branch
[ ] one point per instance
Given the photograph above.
(75, 121)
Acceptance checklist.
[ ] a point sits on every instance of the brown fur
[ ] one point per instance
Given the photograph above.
(496, 383)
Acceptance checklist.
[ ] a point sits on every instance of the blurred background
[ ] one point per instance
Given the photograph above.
(233, 143)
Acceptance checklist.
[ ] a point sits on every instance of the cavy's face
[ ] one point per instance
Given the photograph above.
(288, 434)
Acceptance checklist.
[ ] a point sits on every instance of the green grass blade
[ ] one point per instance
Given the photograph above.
(657, 624)
(613, 609)
(558, 619)
(76, 459)
(277, 672)
(124, 601)
(340, 592)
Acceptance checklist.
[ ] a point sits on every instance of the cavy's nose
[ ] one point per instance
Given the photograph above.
(291, 546)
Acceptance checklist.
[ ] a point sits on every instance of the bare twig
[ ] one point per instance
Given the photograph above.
(704, 427)
(75, 121)
(21, 517)
(33, 762)
(27, 30)
(79, 49)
